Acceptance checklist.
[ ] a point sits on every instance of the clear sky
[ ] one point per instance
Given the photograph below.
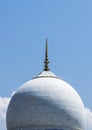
(24, 26)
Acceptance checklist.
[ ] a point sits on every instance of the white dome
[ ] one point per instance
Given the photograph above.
(46, 102)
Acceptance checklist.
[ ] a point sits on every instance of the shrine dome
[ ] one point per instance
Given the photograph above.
(46, 102)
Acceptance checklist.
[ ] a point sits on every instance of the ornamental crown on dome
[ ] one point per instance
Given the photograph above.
(46, 68)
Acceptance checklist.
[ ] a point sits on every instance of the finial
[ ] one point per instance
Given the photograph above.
(46, 57)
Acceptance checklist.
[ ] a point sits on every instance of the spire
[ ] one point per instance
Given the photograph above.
(46, 57)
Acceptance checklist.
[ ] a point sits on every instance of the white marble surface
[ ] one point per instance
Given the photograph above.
(46, 102)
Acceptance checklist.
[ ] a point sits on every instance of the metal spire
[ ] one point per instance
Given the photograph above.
(46, 68)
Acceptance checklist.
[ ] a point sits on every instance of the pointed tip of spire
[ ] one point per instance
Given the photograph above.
(46, 41)
(46, 68)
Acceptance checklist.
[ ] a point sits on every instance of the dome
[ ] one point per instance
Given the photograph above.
(46, 102)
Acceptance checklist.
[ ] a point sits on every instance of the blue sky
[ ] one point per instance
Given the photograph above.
(24, 26)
